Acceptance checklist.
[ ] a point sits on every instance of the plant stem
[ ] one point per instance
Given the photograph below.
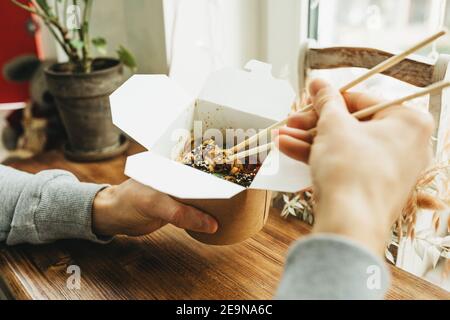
(80, 34)
(64, 17)
(83, 34)
(53, 23)
(85, 30)
(55, 4)
(53, 20)
(46, 20)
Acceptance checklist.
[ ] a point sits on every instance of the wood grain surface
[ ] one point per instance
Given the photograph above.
(165, 265)
(418, 73)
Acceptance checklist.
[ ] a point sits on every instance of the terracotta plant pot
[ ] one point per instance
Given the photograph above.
(83, 103)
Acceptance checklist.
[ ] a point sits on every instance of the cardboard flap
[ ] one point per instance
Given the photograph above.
(283, 174)
(145, 105)
(254, 91)
(177, 179)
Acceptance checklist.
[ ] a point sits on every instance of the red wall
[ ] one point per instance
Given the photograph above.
(15, 40)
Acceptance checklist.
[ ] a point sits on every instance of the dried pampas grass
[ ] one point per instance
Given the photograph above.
(428, 194)
(425, 196)
(446, 272)
(300, 205)
(431, 193)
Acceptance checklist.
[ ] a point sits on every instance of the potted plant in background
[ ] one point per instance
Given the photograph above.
(82, 85)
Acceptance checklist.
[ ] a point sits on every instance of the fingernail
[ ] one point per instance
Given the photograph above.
(315, 86)
(276, 142)
(275, 133)
(209, 225)
(213, 226)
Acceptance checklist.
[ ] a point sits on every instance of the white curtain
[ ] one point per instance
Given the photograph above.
(206, 35)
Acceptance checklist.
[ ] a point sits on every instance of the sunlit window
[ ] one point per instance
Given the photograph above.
(383, 24)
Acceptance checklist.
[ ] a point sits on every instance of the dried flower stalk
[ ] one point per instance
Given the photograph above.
(422, 199)
(432, 192)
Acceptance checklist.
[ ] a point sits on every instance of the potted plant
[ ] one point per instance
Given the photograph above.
(82, 85)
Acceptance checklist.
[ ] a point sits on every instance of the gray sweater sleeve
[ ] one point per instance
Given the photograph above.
(332, 267)
(45, 207)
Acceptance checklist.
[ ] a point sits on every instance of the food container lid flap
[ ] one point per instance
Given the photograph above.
(145, 105)
(253, 90)
(283, 174)
(176, 179)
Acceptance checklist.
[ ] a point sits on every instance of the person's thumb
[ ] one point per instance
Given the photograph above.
(327, 100)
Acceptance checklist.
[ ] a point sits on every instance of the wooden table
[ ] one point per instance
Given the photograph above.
(165, 265)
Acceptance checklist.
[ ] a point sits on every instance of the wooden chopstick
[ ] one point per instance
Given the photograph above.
(436, 87)
(383, 66)
(250, 152)
(387, 64)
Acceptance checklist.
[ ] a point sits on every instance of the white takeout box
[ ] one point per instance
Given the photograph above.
(151, 109)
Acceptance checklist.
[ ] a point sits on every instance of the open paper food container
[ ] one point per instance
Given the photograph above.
(153, 108)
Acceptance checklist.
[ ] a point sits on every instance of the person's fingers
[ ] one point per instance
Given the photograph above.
(293, 148)
(418, 121)
(387, 112)
(357, 101)
(187, 217)
(327, 100)
(303, 120)
(180, 215)
(296, 133)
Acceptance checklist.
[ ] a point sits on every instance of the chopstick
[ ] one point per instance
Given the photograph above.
(438, 86)
(388, 63)
(383, 66)
(250, 152)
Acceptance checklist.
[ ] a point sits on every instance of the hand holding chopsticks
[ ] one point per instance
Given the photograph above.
(439, 86)
(383, 66)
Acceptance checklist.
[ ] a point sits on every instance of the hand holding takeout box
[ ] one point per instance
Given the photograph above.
(150, 108)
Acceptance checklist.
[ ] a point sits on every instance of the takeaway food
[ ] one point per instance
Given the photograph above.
(210, 158)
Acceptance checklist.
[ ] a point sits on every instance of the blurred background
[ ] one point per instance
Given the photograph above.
(188, 39)
(168, 35)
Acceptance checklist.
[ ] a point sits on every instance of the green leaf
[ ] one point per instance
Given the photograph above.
(100, 45)
(127, 58)
(44, 5)
(77, 44)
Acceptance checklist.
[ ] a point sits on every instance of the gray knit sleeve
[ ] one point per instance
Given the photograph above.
(45, 207)
(332, 267)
